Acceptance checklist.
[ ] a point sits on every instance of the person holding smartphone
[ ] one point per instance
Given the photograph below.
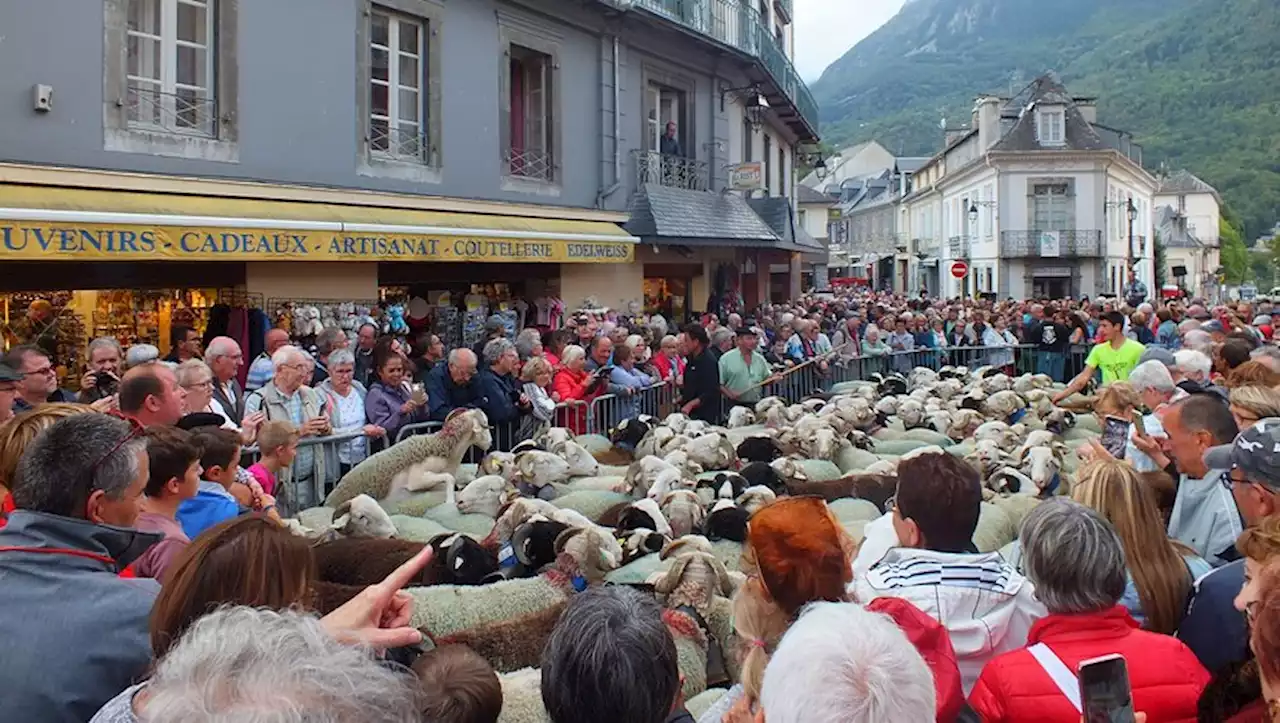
(388, 403)
(1042, 682)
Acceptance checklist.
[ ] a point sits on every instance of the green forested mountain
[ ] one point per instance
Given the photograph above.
(1197, 81)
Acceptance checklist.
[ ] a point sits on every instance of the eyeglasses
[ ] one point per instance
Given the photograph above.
(136, 430)
(207, 384)
(43, 371)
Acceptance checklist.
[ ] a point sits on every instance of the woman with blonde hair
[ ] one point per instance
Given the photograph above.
(18, 432)
(1160, 570)
(1253, 402)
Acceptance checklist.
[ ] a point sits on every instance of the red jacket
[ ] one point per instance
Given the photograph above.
(664, 366)
(568, 384)
(1164, 674)
(933, 643)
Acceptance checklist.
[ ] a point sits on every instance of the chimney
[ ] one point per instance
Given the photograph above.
(987, 121)
(1088, 108)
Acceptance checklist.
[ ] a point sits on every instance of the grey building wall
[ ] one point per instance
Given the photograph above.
(297, 115)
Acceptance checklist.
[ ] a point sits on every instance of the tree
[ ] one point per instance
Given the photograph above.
(1158, 258)
(1234, 254)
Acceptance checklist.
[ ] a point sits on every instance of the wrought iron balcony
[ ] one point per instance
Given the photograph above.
(396, 143)
(536, 165)
(959, 247)
(186, 112)
(1072, 244)
(737, 24)
(671, 171)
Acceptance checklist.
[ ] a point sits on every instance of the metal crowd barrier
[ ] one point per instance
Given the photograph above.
(308, 491)
(608, 410)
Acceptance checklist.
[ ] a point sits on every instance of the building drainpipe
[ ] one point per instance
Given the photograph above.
(617, 131)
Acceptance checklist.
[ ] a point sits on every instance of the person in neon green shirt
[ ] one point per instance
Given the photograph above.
(1116, 357)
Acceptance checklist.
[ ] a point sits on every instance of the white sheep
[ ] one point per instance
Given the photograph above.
(711, 451)
(483, 496)
(741, 417)
(684, 511)
(540, 468)
(581, 463)
(502, 464)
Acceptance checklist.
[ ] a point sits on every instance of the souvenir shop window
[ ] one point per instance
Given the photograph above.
(51, 321)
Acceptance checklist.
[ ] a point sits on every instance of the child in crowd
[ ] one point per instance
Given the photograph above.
(278, 440)
(174, 458)
(459, 686)
(214, 502)
(536, 376)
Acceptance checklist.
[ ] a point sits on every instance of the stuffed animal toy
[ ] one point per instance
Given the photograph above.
(395, 320)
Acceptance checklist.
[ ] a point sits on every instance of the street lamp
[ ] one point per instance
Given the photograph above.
(820, 168)
(1131, 213)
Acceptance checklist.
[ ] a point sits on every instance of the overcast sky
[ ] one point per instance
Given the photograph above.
(825, 29)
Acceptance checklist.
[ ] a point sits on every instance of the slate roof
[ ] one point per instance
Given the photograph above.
(1172, 229)
(777, 212)
(677, 216)
(911, 164)
(1183, 181)
(1048, 90)
(804, 194)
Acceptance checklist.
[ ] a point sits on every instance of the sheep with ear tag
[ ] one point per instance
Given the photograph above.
(502, 464)
(483, 496)
(540, 469)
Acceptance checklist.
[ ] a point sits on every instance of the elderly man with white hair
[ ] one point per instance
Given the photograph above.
(287, 397)
(1154, 384)
(1193, 369)
(224, 357)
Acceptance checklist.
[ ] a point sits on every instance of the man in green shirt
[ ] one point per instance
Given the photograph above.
(1116, 357)
(743, 370)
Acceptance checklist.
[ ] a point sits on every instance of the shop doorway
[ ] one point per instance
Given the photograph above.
(668, 296)
(1050, 287)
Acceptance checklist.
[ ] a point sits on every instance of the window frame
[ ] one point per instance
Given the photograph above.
(428, 167)
(1045, 125)
(121, 134)
(165, 81)
(519, 31)
(394, 83)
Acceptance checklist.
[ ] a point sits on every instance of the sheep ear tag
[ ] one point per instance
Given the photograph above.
(507, 556)
(1017, 415)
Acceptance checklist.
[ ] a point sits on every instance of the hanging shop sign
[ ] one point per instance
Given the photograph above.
(24, 240)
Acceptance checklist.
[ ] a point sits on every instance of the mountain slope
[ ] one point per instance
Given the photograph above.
(1196, 80)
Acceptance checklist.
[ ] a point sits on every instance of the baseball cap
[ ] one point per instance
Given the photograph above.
(494, 323)
(1255, 451)
(7, 374)
(1213, 327)
(1160, 354)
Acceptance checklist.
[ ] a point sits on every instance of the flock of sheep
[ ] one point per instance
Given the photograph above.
(665, 504)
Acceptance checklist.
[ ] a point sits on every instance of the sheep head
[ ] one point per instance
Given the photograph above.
(695, 579)
(540, 468)
(470, 427)
(676, 422)
(1042, 465)
(362, 516)
(741, 417)
(593, 550)
(753, 498)
(684, 510)
(483, 496)
(502, 464)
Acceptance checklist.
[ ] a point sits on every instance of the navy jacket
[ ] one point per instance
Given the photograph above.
(444, 396)
(1213, 628)
(498, 396)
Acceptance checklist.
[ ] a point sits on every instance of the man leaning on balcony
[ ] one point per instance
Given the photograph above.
(670, 144)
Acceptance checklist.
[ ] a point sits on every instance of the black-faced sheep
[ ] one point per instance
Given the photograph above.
(727, 521)
(761, 473)
(758, 449)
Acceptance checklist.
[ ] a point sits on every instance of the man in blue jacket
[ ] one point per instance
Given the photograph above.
(451, 386)
(1213, 628)
(74, 629)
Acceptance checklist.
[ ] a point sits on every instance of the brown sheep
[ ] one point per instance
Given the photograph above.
(875, 488)
(510, 645)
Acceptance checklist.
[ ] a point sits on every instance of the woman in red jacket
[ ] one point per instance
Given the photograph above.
(1076, 562)
(668, 361)
(577, 387)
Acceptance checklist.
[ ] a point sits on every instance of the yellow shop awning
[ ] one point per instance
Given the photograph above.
(42, 223)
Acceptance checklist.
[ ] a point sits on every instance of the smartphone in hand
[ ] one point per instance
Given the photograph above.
(1115, 435)
(1105, 695)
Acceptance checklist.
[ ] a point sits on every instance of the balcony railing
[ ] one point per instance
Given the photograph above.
(396, 143)
(739, 25)
(1075, 244)
(928, 246)
(959, 247)
(186, 112)
(537, 165)
(671, 171)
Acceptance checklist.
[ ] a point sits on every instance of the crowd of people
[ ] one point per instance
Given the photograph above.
(146, 575)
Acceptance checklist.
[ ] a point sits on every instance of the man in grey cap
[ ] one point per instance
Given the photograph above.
(8, 390)
(494, 328)
(1213, 628)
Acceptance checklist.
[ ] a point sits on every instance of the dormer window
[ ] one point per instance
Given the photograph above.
(1051, 125)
